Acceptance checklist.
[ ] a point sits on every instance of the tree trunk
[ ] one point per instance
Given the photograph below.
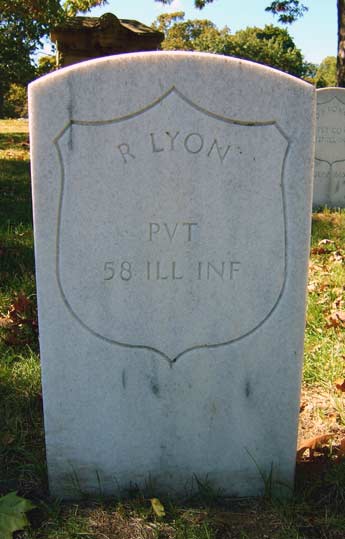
(341, 44)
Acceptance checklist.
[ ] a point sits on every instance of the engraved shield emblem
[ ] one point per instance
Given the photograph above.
(171, 235)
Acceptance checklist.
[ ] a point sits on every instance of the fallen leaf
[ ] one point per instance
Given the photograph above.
(12, 514)
(336, 319)
(20, 306)
(340, 384)
(338, 302)
(5, 322)
(319, 251)
(313, 444)
(157, 507)
(20, 323)
(341, 316)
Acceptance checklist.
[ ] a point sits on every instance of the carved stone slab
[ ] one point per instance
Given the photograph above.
(172, 197)
(329, 183)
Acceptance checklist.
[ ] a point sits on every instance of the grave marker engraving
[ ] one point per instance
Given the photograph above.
(172, 210)
(329, 182)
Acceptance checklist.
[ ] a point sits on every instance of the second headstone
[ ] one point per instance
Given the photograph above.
(329, 182)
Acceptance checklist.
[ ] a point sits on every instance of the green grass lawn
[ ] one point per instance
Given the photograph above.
(317, 509)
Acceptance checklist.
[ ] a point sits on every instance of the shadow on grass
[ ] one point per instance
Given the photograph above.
(22, 453)
(16, 238)
(15, 193)
(329, 224)
(14, 141)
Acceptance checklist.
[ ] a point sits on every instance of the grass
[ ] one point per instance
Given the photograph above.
(324, 337)
(317, 509)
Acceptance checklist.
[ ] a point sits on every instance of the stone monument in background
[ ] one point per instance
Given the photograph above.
(329, 181)
(85, 38)
(172, 199)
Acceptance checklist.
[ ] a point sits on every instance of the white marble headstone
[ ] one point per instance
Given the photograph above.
(172, 197)
(329, 181)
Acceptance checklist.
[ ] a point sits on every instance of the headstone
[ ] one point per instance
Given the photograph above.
(172, 198)
(329, 182)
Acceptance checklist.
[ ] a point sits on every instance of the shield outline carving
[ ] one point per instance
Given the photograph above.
(170, 360)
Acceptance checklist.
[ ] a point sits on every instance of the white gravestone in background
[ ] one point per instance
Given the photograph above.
(172, 198)
(329, 180)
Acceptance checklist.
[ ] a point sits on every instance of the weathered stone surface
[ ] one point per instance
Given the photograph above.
(172, 198)
(329, 181)
(85, 38)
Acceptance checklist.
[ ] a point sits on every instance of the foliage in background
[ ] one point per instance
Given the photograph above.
(326, 74)
(23, 24)
(46, 64)
(287, 10)
(271, 45)
(15, 99)
(16, 44)
(16, 102)
(191, 35)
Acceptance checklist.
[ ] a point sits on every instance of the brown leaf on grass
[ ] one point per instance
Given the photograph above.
(319, 251)
(313, 444)
(336, 319)
(340, 384)
(323, 286)
(338, 302)
(5, 322)
(21, 305)
(323, 247)
(332, 321)
(20, 323)
(341, 316)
